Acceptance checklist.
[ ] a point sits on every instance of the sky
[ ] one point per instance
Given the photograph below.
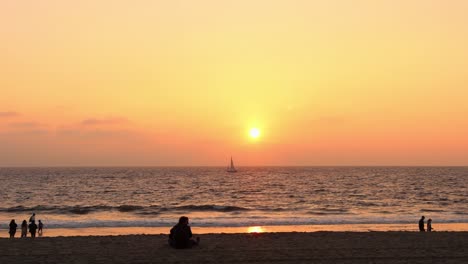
(181, 83)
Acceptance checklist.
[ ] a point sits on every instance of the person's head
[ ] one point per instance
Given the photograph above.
(183, 220)
(430, 220)
(422, 217)
(12, 221)
(34, 213)
(40, 221)
(24, 222)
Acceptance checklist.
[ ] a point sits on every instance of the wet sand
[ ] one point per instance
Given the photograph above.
(115, 231)
(315, 247)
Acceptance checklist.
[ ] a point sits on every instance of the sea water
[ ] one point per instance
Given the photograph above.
(254, 196)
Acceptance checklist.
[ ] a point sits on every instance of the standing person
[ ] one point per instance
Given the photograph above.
(32, 229)
(429, 225)
(181, 235)
(13, 227)
(24, 229)
(39, 230)
(421, 224)
(32, 218)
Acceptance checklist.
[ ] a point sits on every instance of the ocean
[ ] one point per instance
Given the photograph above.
(254, 196)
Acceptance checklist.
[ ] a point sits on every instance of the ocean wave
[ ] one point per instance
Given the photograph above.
(329, 211)
(432, 210)
(221, 208)
(137, 209)
(130, 208)
(460, 213)
(58, 209)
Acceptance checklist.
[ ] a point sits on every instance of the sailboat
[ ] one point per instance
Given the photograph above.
(231, 168)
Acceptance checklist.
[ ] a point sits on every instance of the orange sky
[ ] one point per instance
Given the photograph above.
(339, 82)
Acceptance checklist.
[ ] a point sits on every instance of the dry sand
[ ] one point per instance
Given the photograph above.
(316, 247)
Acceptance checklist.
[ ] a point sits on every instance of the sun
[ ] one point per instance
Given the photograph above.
(255, 229)
(254, 132)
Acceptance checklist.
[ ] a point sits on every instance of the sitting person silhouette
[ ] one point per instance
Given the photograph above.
(181, 235)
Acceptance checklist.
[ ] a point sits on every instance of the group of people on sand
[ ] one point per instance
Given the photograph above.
(32, 227)
(429, 225)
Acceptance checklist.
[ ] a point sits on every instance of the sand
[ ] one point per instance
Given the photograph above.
(114, 231)
(314, 247)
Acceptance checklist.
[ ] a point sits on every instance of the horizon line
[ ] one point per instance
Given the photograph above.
(214, 166)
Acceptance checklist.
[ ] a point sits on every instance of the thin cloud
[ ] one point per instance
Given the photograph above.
(9, 114)
(105, 121)
(26, 124)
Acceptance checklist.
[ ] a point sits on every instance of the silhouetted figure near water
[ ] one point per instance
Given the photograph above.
(429, 225)
(39, 230)
(32, 229)
(421, 224)
(181, 235)
(24, 229)
(13, 227)
(32, 218)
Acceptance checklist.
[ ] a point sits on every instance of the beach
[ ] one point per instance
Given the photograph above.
(314, 247)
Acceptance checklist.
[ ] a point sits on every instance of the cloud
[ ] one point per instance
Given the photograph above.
(104, 121)
(111, 127)
(94, 133)
(26, 124)
(9, 114)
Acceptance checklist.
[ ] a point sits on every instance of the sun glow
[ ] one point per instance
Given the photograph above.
(255, 229)
(254, 132)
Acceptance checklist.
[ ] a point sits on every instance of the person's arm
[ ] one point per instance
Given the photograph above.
(171, 233)
(190, 232)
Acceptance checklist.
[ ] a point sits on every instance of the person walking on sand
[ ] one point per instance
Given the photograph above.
(429, 225)
(32, 229)
(39, 230)
(32, 218)
(13, 227)
(181, 235)
(24, 229)
(421, 224)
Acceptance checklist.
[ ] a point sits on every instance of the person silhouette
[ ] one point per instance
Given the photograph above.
(429, 225)
(39, 230)
(32, 229)
(421, 224)
(181, 235)
(13, 227)
(24, 229)
(32, 218)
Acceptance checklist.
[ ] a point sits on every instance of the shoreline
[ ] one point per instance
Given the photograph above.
(292, 247)
(122, 231)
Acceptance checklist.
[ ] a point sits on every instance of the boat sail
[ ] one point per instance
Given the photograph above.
(231, 168)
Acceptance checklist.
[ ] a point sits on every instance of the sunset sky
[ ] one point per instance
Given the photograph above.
(335, 82)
